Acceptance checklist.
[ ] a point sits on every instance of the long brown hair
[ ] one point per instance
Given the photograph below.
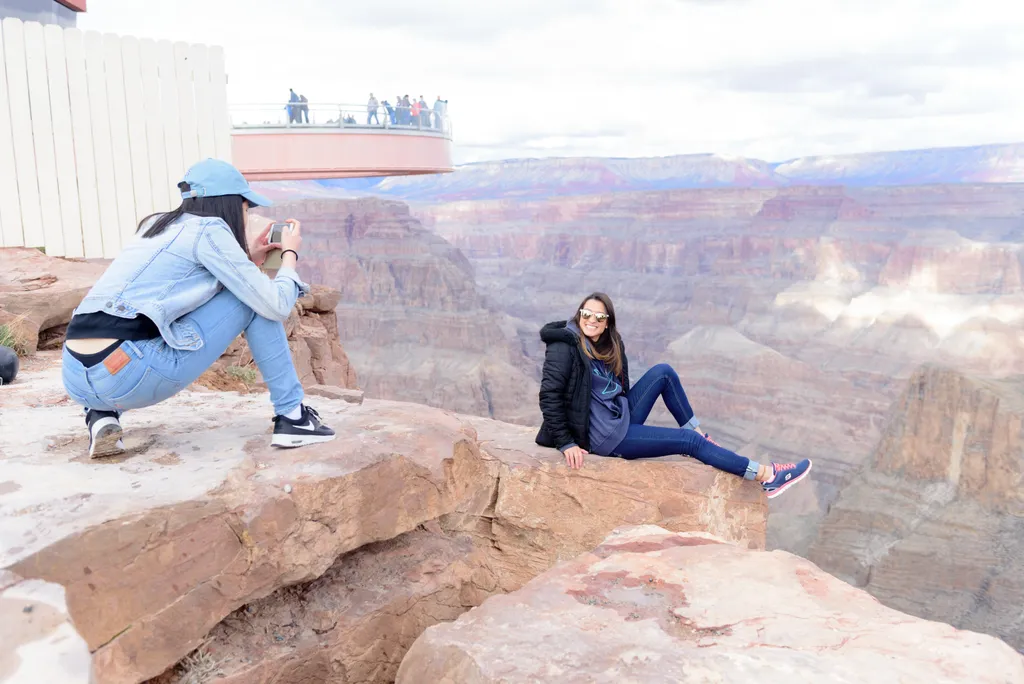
(608, 347)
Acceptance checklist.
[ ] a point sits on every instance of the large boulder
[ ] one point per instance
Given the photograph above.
(653, 606)
(38, 293)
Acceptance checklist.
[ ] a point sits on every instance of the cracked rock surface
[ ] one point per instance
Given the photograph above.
(653, 606)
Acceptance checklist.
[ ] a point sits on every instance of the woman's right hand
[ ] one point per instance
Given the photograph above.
(574, 457)
(292, 239)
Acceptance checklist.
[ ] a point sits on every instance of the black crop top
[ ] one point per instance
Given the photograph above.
(101, 325)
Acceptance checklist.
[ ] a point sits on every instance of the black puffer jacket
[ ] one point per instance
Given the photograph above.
(565, 388)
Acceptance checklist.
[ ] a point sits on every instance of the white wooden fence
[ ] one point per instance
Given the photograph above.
(97, 130)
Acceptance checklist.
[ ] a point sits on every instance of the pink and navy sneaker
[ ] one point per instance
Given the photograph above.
(786, 475)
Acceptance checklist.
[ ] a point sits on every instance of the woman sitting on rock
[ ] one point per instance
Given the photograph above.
(588, 405)
(173, 300)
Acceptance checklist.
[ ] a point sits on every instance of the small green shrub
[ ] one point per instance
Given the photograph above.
(246, 374)
(12, 334)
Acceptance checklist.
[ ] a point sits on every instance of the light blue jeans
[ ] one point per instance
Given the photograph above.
(157, 372)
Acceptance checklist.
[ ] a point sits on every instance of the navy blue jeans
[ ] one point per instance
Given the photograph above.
(649, 441)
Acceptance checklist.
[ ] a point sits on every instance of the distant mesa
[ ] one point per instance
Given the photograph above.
(537, 178)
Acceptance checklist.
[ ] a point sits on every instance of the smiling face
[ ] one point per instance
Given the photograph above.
(592, 310)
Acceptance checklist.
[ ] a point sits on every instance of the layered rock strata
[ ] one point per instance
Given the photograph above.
(933, 524)
(312, 330)
(794, 315)
(651, 606)
(410, 315)
(200, 517)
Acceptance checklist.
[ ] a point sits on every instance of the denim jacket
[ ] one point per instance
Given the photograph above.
(170, 275)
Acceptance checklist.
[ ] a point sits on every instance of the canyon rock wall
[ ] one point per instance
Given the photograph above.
(933, 524)
(410, 316)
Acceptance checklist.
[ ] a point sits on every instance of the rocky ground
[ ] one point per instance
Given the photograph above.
(652, 606)
(159, 548)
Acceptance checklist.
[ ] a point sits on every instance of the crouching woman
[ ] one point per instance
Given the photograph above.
(173, 300)
(588, 405)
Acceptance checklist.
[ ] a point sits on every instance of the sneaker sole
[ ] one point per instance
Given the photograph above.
(107, 442)
(792, 482)
(293, 441)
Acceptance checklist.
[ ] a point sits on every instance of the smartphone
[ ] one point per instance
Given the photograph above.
(273, 261)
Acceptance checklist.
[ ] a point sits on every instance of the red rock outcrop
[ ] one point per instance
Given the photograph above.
(934, 522)
(651, 606)
(201, 517)
(316, 350)
(410, 315)
(38, 294)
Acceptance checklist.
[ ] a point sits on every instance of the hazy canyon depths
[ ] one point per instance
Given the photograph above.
(795, 315)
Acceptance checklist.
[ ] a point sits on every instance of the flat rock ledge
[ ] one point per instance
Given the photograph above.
(203, 540)
(653, 606)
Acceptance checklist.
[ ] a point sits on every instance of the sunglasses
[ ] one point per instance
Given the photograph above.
(585, 314)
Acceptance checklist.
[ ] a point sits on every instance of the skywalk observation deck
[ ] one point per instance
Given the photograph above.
(267, 143)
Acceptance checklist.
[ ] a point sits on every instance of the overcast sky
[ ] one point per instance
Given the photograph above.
(771, 79)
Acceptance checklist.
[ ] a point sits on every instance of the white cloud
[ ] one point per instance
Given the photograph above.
(767, 78)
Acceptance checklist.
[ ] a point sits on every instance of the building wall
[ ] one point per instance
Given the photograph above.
(96, 130)
(43, 11)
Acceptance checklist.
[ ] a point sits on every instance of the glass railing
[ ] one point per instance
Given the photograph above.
(310, 115)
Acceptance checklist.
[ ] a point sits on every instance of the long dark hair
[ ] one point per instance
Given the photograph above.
(608, 347)
(229, 208)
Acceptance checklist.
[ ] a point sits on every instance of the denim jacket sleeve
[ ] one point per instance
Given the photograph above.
(220, 253)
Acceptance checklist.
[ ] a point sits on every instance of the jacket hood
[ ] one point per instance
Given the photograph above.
(559, 331)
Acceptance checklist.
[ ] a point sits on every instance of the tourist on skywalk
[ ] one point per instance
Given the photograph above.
(391, 112)
(293, 109)
(371, 111)
(424, 113)
(416, 113)
(404, 112)
(171, 303)
(303, 109)
(440, 106)
(588, 405)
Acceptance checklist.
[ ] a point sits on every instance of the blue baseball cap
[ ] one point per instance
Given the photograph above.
(216, 178)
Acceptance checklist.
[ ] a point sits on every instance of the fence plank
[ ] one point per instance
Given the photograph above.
(85, 159)
(42, 138)
(118, 112)
(63, 141)
(186, 105)
(160, 186)
(10, 210)
(198, 58)
(21, 132)
(219, 101)
(106, 189)
(138, 148)
(171, 118)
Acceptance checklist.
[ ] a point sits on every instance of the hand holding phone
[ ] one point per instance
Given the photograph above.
(287, 234)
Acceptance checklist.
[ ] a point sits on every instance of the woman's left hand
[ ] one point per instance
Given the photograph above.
(259, 247)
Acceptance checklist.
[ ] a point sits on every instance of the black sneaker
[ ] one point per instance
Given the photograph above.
(104, 433)
(308, 429)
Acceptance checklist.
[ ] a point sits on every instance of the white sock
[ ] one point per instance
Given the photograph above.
(295, 413)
